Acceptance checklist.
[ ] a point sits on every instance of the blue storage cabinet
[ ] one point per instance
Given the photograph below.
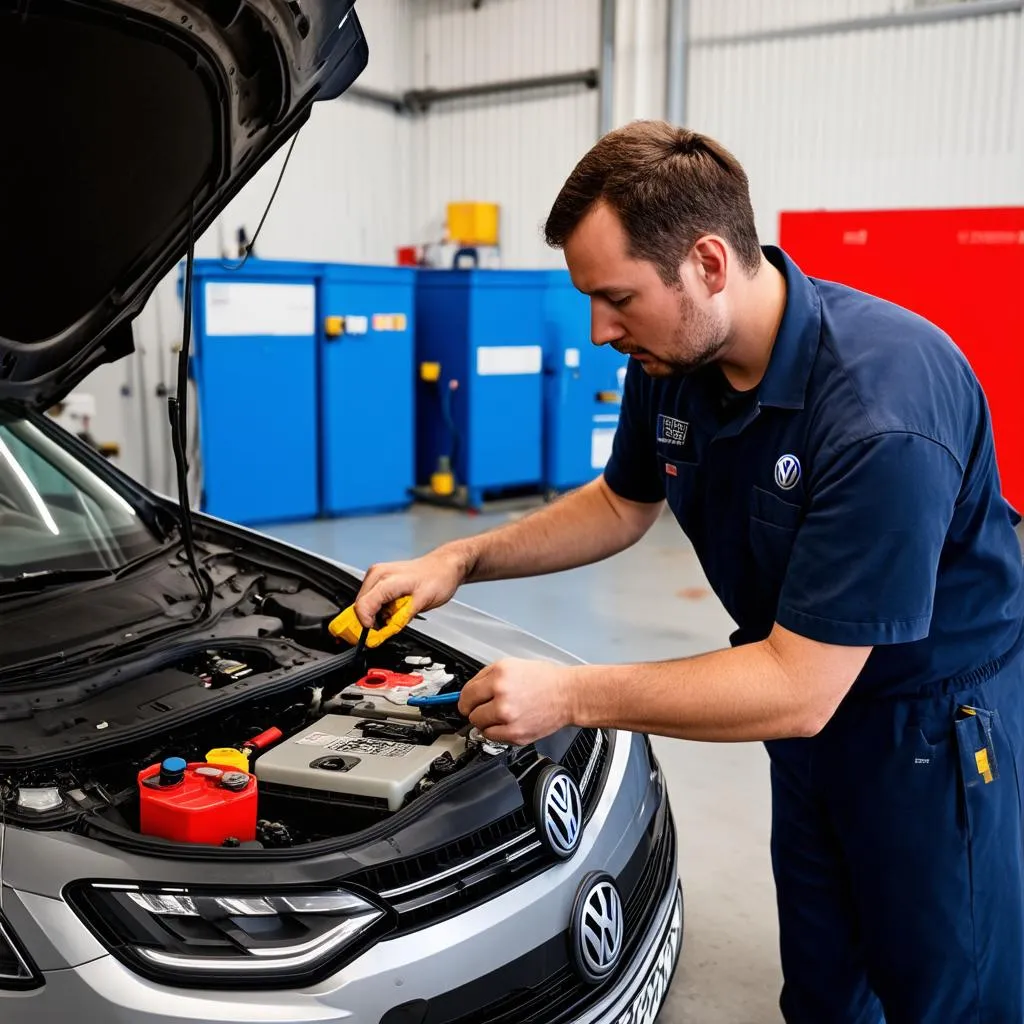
(486, 329)
(255, 365)
(582, 389)
(367, 388)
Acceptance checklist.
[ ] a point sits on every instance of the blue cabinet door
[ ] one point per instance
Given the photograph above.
(582, 392)
(367, 394)
(506, 389)
(257, 400)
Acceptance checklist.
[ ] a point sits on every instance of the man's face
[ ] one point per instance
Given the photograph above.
(667, 329)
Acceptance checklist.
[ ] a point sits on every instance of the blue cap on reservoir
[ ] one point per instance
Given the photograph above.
(172, 770)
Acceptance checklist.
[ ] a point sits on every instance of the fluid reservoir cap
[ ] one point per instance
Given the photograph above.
(172, 770)
(234, 780)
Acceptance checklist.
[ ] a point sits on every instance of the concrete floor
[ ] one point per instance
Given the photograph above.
(648, 603)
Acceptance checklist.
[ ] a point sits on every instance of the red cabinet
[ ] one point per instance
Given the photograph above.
(961, 269)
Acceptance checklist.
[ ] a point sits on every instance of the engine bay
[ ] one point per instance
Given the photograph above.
(263, 732)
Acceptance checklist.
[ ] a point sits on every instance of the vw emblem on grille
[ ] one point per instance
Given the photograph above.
(558, 811)
(596, 929)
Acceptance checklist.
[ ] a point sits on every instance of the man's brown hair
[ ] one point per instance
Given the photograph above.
(669, 186)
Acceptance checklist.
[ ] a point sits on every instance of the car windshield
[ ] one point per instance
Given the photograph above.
(56, 514)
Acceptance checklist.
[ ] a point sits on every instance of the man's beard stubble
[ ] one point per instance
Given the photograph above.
(696, 341)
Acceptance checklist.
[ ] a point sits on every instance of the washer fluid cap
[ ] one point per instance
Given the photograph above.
(172, 770)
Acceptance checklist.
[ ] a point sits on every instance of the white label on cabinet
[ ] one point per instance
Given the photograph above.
(495, 360)
(241, 308)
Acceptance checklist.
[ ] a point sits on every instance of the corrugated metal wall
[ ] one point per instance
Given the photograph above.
(514, 149)
(912, 115)
(346, 196)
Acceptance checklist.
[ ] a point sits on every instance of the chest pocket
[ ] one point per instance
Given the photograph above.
(773, 526)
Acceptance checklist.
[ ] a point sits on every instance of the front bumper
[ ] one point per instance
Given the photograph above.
(433, 975)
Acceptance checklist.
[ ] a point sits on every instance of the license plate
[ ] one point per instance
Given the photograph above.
(647, 1002)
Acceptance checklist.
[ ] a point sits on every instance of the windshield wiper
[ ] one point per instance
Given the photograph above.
(32, 581)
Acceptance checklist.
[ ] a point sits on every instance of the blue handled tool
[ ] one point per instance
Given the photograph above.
(434, 700)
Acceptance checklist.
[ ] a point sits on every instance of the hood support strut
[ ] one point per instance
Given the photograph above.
(177, 408)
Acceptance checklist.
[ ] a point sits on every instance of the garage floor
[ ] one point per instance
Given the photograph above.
(651, 602)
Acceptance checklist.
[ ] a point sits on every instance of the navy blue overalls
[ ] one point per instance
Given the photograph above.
(853, 498)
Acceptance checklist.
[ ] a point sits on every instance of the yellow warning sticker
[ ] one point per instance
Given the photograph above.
(389, 321)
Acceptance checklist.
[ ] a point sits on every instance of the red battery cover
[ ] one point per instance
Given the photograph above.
(385, 679)
(198, 809)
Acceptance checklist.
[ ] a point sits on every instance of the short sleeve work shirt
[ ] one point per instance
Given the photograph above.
(853, 498)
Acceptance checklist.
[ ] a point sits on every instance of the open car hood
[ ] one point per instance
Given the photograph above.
(122, 116)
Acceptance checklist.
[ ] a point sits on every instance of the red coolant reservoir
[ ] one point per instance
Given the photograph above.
(196, 803)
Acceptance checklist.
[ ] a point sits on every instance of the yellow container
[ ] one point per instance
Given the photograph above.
(473, 223)
(228, 757)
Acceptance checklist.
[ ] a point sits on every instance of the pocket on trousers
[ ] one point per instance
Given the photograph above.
(974, 729)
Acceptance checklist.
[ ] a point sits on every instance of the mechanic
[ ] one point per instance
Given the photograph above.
(830, 457)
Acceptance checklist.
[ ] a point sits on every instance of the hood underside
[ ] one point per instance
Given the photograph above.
(124, 119)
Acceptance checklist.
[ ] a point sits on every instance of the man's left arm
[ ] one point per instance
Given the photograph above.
(862, 573)
(783, 686)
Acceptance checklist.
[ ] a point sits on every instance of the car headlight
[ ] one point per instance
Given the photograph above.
(219, 939)
(16, 968)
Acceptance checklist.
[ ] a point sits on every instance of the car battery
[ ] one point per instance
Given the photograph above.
(341, 754)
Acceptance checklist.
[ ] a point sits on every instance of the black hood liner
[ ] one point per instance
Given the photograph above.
(118, 116)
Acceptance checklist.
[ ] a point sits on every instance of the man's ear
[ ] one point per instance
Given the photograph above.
(711, 260)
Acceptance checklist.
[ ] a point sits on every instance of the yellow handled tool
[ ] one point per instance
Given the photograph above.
(397, 615)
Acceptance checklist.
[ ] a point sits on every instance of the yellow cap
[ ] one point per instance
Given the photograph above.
(334, 326)
(430, 371)
(442, 483)
(228, 757)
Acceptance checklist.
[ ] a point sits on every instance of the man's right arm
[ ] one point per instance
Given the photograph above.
(582, 527)
(585, 526)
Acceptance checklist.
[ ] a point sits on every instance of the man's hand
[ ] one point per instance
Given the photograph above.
(517, 701)
(429, 582)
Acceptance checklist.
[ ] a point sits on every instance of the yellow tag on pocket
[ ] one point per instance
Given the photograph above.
(984, 769)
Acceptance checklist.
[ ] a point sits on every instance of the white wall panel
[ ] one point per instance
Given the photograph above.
(387, 25)
(455, 45)
(517, 149)
(514, 152)
(914, 115)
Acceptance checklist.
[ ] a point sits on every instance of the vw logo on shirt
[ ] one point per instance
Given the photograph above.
(787, 472)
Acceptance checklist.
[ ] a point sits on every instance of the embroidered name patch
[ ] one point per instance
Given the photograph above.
(672, 431)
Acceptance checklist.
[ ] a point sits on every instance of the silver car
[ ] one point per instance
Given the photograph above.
(210, 809)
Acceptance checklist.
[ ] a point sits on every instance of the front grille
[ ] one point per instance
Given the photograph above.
(561, 995)
(450, 879)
